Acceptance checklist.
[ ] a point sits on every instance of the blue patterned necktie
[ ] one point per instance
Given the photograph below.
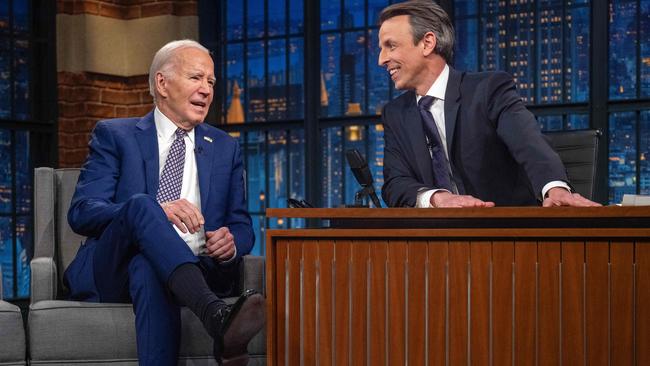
(171, 179)
(441, 174)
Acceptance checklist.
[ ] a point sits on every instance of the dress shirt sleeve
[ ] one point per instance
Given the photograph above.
(227, 261)
(424, 198)
(554, 184)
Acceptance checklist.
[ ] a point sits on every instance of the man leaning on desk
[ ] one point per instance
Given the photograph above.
(455, 138)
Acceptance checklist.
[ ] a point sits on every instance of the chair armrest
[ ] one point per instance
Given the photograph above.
(44, 279)
(252, 273)
(12, 335)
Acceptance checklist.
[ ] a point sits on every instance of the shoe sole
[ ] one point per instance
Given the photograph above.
(248, 321)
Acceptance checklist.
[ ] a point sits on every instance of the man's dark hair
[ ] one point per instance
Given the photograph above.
(425, 16)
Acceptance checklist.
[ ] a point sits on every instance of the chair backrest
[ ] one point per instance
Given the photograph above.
(578, 151)
(53, 190)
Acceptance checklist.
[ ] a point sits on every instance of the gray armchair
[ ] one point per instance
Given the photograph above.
(12, 333)
(64, 332)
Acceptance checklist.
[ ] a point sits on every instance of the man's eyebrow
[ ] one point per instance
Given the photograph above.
(195, 72)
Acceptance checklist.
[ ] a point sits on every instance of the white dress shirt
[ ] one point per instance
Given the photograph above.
(437, 109)
(165, 130)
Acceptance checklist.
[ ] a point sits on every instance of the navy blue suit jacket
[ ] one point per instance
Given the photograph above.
(123, 162)
(495, 146)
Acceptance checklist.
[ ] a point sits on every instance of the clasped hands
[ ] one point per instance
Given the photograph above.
(556, 196)
(219, 244)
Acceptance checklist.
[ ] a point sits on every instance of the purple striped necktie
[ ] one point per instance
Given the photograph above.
(441, 173)
(171, 179)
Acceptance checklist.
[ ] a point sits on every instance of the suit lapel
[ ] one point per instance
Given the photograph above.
(452, 103)
(147, 140)
(203, 153)
(412, 124)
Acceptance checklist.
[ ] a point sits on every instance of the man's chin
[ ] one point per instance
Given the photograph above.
(399, 86)
(197, 121)
(192, 122)
(198, 118)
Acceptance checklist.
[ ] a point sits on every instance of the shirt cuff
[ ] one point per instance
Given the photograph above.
(231, 258)
(554, 184)
(424, 198)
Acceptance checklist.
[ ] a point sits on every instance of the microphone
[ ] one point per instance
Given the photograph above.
(361, 172)
(198, 150)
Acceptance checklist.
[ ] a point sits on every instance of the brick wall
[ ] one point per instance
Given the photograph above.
(128, 9)
(87, 98)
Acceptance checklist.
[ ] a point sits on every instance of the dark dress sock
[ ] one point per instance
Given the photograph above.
(189, 287)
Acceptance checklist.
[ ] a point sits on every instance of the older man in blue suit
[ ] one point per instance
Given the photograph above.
(161, 200)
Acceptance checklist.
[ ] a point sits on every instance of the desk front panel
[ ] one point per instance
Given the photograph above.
(353, 297)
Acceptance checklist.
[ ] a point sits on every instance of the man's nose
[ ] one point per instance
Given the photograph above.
(205, 88)
(382, 60)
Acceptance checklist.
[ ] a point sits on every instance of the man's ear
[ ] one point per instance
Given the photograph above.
(161, 84)
(429, 43)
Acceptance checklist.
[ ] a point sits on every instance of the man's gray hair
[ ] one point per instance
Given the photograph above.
(425, 16)
(164, 58)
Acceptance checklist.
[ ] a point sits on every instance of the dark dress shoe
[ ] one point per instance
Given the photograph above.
(237, 325)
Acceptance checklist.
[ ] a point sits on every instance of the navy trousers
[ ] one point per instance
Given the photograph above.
(131, 262)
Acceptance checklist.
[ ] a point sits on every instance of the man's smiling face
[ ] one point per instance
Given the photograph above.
(405, 61)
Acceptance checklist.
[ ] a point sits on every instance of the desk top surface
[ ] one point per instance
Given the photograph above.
(463, 213)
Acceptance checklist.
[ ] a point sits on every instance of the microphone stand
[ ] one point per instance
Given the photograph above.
(361, 198)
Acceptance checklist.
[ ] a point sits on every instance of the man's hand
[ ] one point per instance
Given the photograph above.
(448, 199)
(558, 196)
(184, 215)
(220, 244)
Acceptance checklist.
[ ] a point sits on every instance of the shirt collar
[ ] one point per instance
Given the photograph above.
(166, 129)
(439, 86)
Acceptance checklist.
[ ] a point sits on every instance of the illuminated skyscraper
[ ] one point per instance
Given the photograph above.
(376, 158)
(550, 89)
(332, 142)
(544, 45)
(324, 96)
(277, 181)
(520, 38)
(623, 50)
(348, 76)
(331, 68)
(235, 110)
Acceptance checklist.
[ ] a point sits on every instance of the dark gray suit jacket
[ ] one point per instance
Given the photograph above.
(496, 149)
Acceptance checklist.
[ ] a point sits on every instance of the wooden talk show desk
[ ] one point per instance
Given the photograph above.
(498, 286)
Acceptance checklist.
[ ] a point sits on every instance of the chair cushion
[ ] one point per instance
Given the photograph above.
(12, 335)
(106, 332)
(80, 331)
